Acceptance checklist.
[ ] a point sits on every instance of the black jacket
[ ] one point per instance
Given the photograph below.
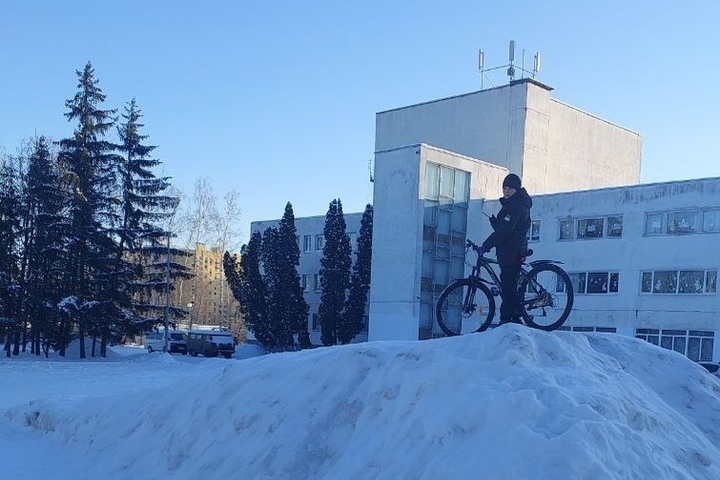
(511, 228)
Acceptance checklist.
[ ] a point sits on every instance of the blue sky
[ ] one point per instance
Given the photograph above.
(277, 99)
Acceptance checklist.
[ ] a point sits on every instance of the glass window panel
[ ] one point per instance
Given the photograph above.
(711, 220)
(447, 182)
(442, 273)
(666, 342)
(432, 181)
(614, 281)
(578, 281)
(443, 239)
(691, 281)
(682, 222)
(654, 224)
(443, 221)
(597, 282)
(429, 234)
(614, 226)
(457, 268)
(693, 350)
(706, 349)
(430, 213)
(535, 231)
(319, 242)
(457, 244)
(458, 219)
(567, 229)
(711, 281)
(679, 344)
(665, 281)
(428, 260)
(654, 339)
(462, 186)
(646, 283)
(590, 228)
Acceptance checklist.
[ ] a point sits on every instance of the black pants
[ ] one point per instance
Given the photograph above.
(510, 307)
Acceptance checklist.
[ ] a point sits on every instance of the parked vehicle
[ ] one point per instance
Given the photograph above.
(155, 341)
(210, 343)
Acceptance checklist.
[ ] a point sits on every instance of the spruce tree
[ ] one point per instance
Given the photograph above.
(248, 287)
(10, 285)
(293, 302)
(144, 245)
(278, 329)
(353, 320)
(334, 273)
(43, 249)
(90, 164)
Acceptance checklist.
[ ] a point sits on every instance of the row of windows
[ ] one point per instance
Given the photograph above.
(308, 245)
(652, 281)
(697, 345)
(679, 222)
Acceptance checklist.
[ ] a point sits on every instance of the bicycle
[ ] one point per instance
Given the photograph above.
(467, 305)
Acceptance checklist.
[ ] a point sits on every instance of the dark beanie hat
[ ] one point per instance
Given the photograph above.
(512, 181)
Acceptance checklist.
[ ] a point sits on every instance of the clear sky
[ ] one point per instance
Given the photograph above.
(277, 99)
(510, 403)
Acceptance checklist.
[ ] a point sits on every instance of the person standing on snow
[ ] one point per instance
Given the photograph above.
(509, 239)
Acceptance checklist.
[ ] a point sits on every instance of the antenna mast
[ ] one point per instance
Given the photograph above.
(511, 68)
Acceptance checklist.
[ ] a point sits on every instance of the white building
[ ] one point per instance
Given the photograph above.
(643, 258)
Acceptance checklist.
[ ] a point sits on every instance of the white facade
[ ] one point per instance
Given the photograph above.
(554, 147)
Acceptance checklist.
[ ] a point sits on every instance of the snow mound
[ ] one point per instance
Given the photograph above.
(509, 403)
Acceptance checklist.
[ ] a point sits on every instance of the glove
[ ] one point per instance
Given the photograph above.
(484, 249)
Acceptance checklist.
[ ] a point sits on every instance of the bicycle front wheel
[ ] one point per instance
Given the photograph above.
(546, 297)
(465, 306)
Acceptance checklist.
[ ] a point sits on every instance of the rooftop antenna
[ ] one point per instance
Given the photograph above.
(510, 68)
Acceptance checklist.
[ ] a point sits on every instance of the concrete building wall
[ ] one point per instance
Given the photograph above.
(553, 146)
(398, 229)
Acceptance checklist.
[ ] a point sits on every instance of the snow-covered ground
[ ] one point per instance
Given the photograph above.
(511, 403)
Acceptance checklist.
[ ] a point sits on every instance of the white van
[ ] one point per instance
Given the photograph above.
(155, 341)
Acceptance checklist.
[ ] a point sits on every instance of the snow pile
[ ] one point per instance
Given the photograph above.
(508, 403)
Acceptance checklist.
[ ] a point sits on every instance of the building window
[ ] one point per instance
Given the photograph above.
(567, 229)
(654, 224)
(594, 282)
(682, 222)
(304, 282)
(697, 345)
(319, 242)
(315, 321)
(614, 226)
(447, 191)
(316, 282)
(534, 234)
(711, 220)
(588, 329)
(679, 223)
(307, 243)
(590, 228)
(679, 281)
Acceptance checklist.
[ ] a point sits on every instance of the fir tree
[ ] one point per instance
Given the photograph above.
(90, 165)
(334, 273)
(278, 328)
(248, 287)
(10, 289)
(293, 302)
(143, 243)
(353, 320)
(43, 250)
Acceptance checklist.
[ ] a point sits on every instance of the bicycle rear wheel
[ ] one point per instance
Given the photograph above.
(546, 297)
(465, 306)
